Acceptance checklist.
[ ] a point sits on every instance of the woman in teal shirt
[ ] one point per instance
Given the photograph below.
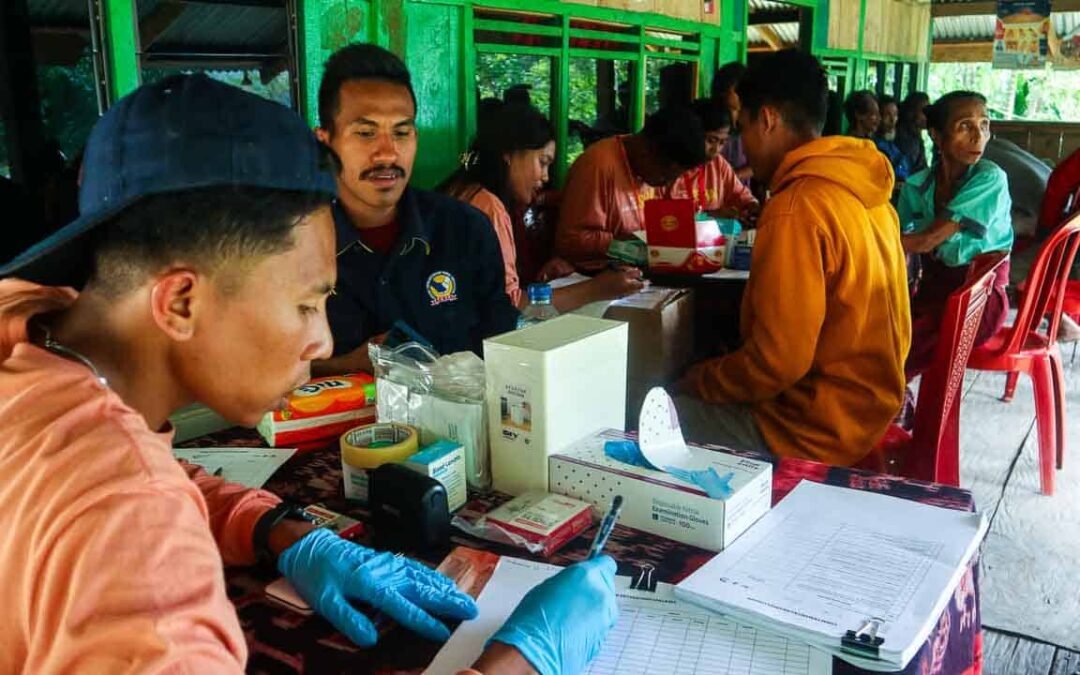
(950, 213)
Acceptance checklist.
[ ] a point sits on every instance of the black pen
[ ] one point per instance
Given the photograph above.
(606, 526)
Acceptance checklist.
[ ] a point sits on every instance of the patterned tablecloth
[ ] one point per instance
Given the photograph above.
(282, 641)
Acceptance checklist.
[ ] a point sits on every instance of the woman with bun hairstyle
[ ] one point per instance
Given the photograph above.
(951, 212)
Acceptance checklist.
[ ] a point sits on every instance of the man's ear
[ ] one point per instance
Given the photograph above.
(770, 118)
(175, 300)
(323, 135)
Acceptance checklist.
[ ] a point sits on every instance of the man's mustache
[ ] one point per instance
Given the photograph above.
(382, 169)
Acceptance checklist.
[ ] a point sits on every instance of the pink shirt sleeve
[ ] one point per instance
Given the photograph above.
(493, 208)
(723, 187)
(234, 509)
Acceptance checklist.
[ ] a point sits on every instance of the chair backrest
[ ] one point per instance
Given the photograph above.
(1045, 286)
(935, 442)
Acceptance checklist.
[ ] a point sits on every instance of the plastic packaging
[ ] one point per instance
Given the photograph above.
(442, 396)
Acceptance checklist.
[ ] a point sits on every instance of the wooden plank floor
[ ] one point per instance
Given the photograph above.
(1006, 654)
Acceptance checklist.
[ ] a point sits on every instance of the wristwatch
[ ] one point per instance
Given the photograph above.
(267, 522)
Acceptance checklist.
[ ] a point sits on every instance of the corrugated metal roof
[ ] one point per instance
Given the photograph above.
(787, 32)
(58, 12)
(981, 28)
(769, 6)
(225, 28)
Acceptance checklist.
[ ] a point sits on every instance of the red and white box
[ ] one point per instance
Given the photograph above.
(679, 242)
(324, 408)
(542, 519)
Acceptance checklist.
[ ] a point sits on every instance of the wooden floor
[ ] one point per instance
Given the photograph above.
(1005, 654)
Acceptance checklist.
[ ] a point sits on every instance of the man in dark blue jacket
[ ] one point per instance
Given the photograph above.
(403, 254)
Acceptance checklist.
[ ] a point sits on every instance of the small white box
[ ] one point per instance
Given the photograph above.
(445, 462)
(547, 386)
(659, 503)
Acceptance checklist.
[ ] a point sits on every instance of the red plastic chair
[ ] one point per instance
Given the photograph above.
(1027, 347)
(932, 451)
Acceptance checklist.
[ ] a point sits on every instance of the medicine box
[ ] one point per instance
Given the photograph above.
(324, 408)
(547, 386)
(543, 518)
(681, 242)
(445, 462)
(659, 503)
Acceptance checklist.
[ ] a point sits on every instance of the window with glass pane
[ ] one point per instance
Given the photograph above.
(503, 76)
(245, 46)
(906, 85)
(871, 77)
(889, 86)
(601, 93)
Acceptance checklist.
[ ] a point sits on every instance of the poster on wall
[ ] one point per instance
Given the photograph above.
(1021, 37)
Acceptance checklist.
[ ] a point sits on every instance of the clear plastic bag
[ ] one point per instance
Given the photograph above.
(442, 396)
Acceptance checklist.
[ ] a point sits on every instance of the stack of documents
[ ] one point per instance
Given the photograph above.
(655, 633)
(861, 575)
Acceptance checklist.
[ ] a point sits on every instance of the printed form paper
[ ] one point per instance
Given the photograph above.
(656, 633)
(248, 466)
(826, 559)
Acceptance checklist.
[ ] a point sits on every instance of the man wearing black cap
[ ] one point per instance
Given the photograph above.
(403, 254)
(204, 253)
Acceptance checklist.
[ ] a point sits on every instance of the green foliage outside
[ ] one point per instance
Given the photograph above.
(1043, 95)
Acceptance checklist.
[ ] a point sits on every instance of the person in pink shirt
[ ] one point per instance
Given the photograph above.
(204, 254)
(501, 174)
(714, 187)
(604, 196)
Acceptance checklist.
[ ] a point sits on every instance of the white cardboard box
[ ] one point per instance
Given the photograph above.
(547, 386)
(659, 503)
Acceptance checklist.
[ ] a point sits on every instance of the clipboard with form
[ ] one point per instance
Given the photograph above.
(861, 575)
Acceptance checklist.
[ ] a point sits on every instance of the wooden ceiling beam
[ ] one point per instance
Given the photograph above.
(970, 51)
(770, 37)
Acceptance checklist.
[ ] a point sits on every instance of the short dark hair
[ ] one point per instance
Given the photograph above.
(676, 133)
(358, 62)
(727, 76)
(218, 227)
(793, 82)
(887, 100)
(858, 103)
(713, 114)
(909, 107)
(937, 114)
(511, 128)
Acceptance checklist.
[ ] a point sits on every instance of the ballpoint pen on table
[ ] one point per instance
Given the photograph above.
(606, 526)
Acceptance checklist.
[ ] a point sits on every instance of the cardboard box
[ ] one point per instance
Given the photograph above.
(661, 340)
(679, 242)
(325, 407)
(445, 462)
(659, 503)
(547, 386)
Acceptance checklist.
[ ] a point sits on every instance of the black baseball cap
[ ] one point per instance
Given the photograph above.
(185, 132)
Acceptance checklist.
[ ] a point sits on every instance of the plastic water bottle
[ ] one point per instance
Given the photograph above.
(539, 307)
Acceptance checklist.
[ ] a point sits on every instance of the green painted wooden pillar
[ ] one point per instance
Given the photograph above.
(120, 36)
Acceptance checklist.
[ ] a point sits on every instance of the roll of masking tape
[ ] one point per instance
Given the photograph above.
(369, 447)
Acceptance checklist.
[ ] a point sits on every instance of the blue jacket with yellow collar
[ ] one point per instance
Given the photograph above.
(443, 277)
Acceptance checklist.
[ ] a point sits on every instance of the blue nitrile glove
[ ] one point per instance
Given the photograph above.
(328, 571)
(560, 625)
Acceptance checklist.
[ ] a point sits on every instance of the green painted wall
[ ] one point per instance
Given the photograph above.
(325, 26)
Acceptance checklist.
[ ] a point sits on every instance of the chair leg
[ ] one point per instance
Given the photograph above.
(1010, 385)
(1058, 375)
(1045, 423)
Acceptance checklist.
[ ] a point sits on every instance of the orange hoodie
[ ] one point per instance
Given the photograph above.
(826, 324)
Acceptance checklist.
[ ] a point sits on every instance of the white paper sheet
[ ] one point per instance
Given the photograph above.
(659, 434)
(248, 466)
(828, 558)
(656, 633)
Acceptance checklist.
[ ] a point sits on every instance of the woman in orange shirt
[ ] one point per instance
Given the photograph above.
(501, 174)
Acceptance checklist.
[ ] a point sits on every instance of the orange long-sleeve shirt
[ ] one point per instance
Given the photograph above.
(825, 316)
(713, 186)
(602, 201)
(112, 554)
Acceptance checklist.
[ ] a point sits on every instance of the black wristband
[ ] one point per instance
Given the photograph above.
(267, 522)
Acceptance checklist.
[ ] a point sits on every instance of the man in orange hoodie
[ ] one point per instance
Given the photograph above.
(825, 319)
